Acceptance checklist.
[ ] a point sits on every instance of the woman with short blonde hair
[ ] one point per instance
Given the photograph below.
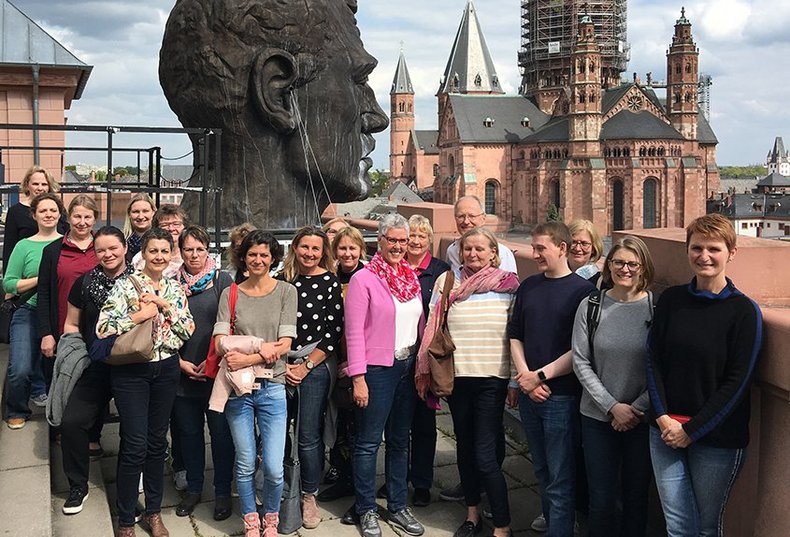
(585, 249)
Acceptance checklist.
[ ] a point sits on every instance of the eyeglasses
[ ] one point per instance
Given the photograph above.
(619, 264)
(581, 244)
(470, 217)
(168, 225)
(392, 242)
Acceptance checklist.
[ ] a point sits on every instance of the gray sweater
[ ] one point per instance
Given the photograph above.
(620, 357)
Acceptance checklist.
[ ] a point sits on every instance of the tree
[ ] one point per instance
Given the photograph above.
(553, 214)
(71, 168)
(380, 181)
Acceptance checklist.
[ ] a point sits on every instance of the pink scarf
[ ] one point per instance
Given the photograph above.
(401, 280)
(483, 281)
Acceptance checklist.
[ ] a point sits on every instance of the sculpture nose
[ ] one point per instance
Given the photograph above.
(373, 117)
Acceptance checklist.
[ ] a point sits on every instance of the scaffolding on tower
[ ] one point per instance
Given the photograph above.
(548, 33)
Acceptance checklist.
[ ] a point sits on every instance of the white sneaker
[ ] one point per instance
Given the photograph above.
(40, 400)
(539, 524)
(180, 480)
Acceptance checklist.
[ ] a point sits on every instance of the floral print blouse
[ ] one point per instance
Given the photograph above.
(171, 329)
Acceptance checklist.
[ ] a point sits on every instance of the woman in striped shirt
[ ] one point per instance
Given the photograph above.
(479, 304)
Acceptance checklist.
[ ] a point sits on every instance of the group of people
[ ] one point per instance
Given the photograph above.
(614, 387)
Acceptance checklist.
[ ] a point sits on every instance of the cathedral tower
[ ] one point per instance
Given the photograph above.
(683, 79)
(584, 127)
(401, 119)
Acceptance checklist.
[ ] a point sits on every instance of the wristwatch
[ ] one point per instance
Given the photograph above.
(541, 375)
(309, 365)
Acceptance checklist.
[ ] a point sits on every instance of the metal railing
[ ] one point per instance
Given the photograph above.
(208, 140)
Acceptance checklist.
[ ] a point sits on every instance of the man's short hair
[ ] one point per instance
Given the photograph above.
(556, 231)
(470, 197)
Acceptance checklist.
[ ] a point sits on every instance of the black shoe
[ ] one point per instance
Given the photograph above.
(75, 501)
(405, 520)
(341, 489)
(382, 492)
(187, 504)
(331, 476)
(350, 517)
(468, 529)
(452, 494)
(222, 507)
(421, 497)
(370, 524)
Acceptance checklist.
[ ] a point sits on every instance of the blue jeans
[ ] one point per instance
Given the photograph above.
(191, 415)
(694, 484)
(552, 430)
(391, 400)
(313, 393)
(144, 395)
(617, 462)
(268, 408)
(25, 373)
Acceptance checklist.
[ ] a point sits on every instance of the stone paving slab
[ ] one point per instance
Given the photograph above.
(25, 447)
(25, 509)
(94, 520)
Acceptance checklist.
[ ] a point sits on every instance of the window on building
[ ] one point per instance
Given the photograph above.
(618, 205)
(491, 192)
(649, 188)
(744, 225)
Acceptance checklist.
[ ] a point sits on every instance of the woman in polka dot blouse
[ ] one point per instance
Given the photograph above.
(308, 266)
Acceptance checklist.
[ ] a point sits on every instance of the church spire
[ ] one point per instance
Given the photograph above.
(470, 68)
(401, 83)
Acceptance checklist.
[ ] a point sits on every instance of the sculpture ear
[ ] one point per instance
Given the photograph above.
(273, 73)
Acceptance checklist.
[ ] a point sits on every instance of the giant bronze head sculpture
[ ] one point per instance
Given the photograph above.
(286, 81)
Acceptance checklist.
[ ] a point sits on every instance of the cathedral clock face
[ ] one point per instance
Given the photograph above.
(634, 103)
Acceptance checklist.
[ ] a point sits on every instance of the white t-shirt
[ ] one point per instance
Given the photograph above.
(407, 320)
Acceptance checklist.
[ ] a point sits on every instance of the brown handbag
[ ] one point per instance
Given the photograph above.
(440, 351)
(137, 345)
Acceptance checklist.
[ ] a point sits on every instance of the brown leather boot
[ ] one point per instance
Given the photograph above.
(311, 517)
(155, 525)
(127, 531)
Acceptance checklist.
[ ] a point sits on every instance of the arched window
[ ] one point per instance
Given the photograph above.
(649, 190)
(618, 222)
(451, 165)
(491, 193)
(688, 67)
(554, 192)
(401, 107)
(478, 81)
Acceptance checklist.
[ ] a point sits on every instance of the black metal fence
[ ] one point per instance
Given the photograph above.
(152, 181)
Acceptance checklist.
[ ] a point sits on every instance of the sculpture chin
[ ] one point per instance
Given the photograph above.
(364, 181)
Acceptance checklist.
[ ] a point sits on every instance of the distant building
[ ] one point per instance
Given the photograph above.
(39, 79)
(611, 152)
(764, 215)
(762, 212)
(778, 160)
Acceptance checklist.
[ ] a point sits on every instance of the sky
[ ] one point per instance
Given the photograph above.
(744, 46)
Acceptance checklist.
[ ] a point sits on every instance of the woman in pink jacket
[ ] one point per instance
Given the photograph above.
(384, 318)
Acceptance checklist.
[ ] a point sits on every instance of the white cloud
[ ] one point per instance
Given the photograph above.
(743, 44)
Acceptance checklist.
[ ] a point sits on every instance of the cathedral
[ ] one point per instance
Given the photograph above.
(577, 142)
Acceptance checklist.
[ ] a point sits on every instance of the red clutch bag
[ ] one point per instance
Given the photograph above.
(680, 419)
